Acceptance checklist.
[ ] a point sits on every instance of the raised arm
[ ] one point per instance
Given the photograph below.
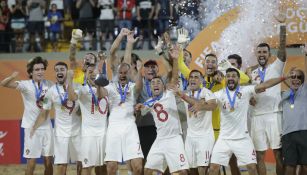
(129, 46)
(281, 18)
(174, 54)
(139, 81)
(42, 117)
(269, 83)
(76, 35)
(8, 82)
(113, 57)
(72, 96)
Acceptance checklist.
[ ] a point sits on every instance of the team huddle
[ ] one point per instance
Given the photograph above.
(202, 121)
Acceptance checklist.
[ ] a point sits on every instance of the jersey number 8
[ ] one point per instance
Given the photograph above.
(159, 110)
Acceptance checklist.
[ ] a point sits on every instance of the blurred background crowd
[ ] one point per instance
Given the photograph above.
(46, 25)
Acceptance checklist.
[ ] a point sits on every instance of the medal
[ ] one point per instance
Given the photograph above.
(292, 106)
(96, 108)
(63, 100)
(122, 94)
(232, 100)
(232, 109)
(38, 92)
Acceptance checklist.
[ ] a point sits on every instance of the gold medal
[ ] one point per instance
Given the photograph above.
(63, 108)
(232, 109)
(292, 106)
(96, 107)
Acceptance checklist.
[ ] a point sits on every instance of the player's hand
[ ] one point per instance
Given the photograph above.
(159, 45)
(102, 55)
(124, 32)
(139, 107)
(196, 107)
(224, 65)
(131, 39)
(253, 101)
(281, 17)
(172, 87)
(304, 49)
(183, 36)
(76, 35)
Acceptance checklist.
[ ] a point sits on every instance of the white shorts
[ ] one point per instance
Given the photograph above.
(123, 143)
(41, 143)
(266, 131)
(242, 148)
(169, 152)
(198, 150)
(67, 149)
(92, 151)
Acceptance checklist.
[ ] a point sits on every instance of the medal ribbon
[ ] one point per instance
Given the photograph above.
(153, 100)
(197, 97)
(292, 97)
(262, 74)
(208, 85)
(94, 98)
(64, 99)
(123, 95)
(38, 92)
(184, 82)
(232, 100)
(104, 68)
(148, 90)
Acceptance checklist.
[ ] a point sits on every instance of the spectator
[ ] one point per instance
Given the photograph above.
(59, 4)
(36, 9)
(106, 19)
(87, 21)
(124, 15)
(55, 18)
(4, 19)
(18, 17)
(163, 14)
(145, 11)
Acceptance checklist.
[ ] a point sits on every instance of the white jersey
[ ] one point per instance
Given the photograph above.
(32, 107)
(200, 123)
(234, 123)
(67, 122)
(94, 118)
(166, 117)
(268, 101)
(121, 113)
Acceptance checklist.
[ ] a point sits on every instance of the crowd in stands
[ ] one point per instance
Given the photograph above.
(33, 25)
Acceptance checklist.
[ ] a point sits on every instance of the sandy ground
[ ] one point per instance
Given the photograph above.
(19, 170)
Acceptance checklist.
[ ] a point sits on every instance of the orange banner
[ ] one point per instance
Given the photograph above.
(207, 40)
